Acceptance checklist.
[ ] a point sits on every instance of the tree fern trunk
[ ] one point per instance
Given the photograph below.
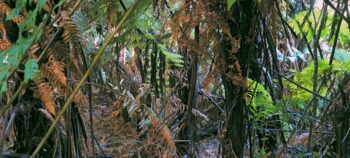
(236, 65)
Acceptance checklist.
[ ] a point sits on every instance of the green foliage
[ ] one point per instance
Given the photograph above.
(307, 26)
(151, 28)
(300, 97)
(10, 58)
(230, 3)
(301, 23)
(142, 19)
(176, 58)
(263, 152)
(344, 34)
(260, 100)
(299, 27)
(30, 70)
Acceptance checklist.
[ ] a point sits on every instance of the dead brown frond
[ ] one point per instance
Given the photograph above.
(210, 78)
(70, 30)
(159, 137)
(111, 11)
(45, 92)
(4, 44)
(269, 11)
(3, 30)
(32, 53)
(54, 71)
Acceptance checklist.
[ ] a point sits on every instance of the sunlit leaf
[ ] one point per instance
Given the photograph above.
(230, 3)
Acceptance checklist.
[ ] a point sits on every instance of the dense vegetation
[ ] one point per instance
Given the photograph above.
(167, 78)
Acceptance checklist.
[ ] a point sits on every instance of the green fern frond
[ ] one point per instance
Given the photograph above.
(259, 99)
(176, 58)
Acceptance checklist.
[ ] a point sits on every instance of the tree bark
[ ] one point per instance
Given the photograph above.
(236, 65)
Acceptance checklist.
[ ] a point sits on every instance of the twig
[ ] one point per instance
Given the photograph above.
(181, 141)
(200, 91)
(275, 129)
(300, 86)
(336, 37)
(295, 130)
(347, 19)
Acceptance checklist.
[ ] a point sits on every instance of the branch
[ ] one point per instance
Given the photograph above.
(300, 86)
(210, 98)
(336, 37)
(337, 11)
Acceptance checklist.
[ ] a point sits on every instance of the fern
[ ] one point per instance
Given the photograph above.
(150, 121)
(5, 10)
(31, 70)
(176, 58)
(305, 78)
(344, 34)
(260, 100)
(111, 11)
(54, 71)
(45, 92)
(4, 45)
(3, 30)
(70, 30)
(300, 97)
(12, 54)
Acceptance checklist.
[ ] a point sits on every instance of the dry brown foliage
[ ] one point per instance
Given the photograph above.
(45, 92)
(5, 10)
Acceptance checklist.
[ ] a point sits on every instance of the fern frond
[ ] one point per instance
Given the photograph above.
(70, 30)
(164, 132)
(53, 70)
(3, 29)
(159, 134)
(258, 96)
(4, 44)
(80, 98)
(60, 51)
(74, 58)
(111, 11)
(48, 6)
(32, 51)
(5, 10)
(45, 92)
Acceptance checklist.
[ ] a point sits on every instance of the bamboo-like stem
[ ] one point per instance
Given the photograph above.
(76, 89)
(75, 7)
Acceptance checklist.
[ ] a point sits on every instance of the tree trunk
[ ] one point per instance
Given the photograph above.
(343, 120)
(235, 64)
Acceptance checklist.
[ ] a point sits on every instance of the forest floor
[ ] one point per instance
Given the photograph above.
(119, 138)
